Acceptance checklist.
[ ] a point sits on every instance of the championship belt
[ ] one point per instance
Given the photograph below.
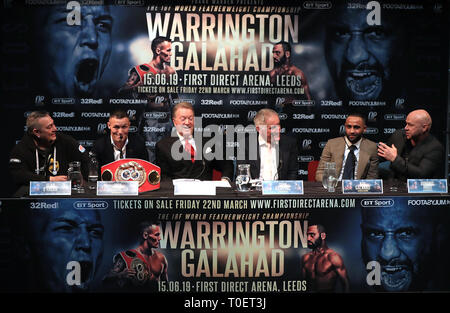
(145, 173)
(135, 262)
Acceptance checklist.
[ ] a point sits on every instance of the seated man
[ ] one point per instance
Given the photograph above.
(43, 153)
(180, 155)
(413, 152)
(355, 156)
(119, 144)
(276, 156)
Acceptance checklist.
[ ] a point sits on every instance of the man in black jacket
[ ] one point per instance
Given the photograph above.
(118, 143)
(43, 154)
(413, 151)
(182, 155)
(276, 155)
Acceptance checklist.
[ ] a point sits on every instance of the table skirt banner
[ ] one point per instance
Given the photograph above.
(227, 246)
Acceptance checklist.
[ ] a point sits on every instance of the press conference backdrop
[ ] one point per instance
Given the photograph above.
(383, 58)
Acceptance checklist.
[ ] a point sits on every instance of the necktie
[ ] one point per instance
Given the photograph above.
(190, 149)
(349, 167)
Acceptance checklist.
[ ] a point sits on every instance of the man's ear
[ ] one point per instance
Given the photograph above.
(287, 54)
(109, 125)
(323, 236)
(35, 132)
(145, 235)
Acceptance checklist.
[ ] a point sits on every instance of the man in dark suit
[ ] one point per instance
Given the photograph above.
(355, 156)
(181, 155)
(275, 155)
(413, 152)
(119, 144)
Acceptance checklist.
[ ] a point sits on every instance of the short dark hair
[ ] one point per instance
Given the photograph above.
(286, 45)
(119, 114)
(157, 41)
(144, 226)
(360, 115)
(320, 228)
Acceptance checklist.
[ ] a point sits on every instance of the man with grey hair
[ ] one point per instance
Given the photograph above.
(43, 154)
(412, 151)
(182, 154)
(276, 154)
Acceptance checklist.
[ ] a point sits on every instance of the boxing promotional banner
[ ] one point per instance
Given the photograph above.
(313, 62)
(246, 246)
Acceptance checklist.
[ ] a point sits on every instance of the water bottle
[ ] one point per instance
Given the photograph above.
(74, 175)
(93, 171)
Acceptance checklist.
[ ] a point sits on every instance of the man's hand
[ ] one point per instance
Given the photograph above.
(389, 153)
(58, 178)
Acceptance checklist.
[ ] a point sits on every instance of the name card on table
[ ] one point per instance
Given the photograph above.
(117, 188)
(50, 188)
(192, 187)
(427, 186)
(359, 186)
(282, 187)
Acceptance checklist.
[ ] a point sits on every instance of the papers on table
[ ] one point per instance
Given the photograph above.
(195, 187)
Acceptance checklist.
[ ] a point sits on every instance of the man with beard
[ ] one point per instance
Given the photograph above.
(59, 241)
(355, 156)
(322, 267)
(142, 266)
(364, 60)
(413, 152)
(71, 58)
(155, 121)
(282, 67)
(401, 240)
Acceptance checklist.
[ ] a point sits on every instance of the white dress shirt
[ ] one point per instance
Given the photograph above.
(347, 150)
(268, 156)
(117, 150)
(190, 140)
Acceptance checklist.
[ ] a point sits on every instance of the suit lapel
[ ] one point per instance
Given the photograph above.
(110, 154)
(340, 150)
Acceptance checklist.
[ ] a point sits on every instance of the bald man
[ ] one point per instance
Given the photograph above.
(413, 151)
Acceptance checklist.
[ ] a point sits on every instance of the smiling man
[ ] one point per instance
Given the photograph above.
(412, 151)
(365, 60)
(119, 143)
(355, 156)
(43, 154)
(71, 58)
(183, 155)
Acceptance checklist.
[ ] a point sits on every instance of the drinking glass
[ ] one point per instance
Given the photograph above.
(243, 177)
(329, 179)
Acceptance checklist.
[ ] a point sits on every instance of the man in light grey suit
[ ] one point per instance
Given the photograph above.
(355, 156)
